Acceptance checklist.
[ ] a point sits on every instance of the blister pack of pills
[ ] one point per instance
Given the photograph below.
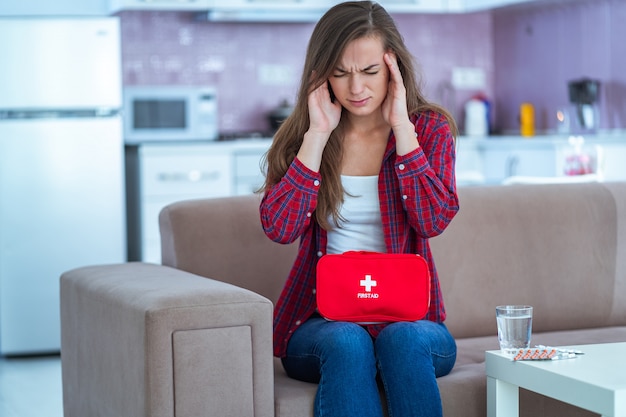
(545, 353)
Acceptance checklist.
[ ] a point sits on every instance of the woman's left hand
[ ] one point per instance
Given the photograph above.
(394, 108)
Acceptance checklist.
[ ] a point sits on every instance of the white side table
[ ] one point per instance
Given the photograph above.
(595, 381)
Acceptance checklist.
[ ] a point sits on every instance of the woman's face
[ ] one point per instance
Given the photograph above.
(361, 78)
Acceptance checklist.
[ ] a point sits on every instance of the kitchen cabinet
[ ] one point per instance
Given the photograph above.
(159, 174)
(273, 4)
(414, 6)
(543, 159)
(323, 5)
(170, 173)
(475, 5)
(392, 6)
(469, 163)
(502, 162)
(298, 10)
(303, 10)
(54, 8)
(612, 161)
(247, 174)
(175, 5)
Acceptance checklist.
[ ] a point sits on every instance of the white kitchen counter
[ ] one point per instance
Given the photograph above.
(540, 141)
(495, 159)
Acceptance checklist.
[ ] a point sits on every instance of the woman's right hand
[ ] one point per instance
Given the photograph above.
(324, 116)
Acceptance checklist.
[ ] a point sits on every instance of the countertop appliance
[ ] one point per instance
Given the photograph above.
(583, 95)
(61, 167)
(476, 118)
(170, 113)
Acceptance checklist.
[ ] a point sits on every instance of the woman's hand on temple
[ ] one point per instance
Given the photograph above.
(324, 117)
(323, 113)
(394, 108)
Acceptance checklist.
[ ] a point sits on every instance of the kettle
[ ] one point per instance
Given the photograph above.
(584, 94)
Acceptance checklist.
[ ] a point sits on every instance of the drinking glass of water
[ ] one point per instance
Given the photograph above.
(514, 327)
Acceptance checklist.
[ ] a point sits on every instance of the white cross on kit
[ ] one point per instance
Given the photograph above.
(368, 283)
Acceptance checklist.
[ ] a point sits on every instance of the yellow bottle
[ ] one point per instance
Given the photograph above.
(527, 119)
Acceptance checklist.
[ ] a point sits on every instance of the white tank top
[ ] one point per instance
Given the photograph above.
(362, 227)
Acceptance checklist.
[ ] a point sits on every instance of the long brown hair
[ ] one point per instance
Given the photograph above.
(338, 27)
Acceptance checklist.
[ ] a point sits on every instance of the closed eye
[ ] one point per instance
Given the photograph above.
(372, 69)
(369, 70)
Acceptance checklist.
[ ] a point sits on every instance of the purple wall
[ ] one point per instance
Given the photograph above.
(538, 50)
(172, 48)
(527, 53)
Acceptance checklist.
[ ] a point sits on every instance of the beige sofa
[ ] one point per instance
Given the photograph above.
(150, 340)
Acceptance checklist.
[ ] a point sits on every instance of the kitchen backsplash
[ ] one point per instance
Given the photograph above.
(257, 65)
(525, 54)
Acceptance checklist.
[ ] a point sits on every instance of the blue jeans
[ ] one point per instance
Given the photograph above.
(345, 361)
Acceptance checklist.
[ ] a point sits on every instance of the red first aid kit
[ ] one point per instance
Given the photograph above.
(372, 287)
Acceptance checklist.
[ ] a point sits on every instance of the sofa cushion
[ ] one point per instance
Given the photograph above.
(292, 398)
(464, 390)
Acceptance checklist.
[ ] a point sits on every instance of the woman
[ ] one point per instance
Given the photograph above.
(363, 163)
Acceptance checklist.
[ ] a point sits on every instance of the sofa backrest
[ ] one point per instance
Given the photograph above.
(560, 248)
(223, 239)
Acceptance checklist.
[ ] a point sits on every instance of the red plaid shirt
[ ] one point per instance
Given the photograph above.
(418, 200)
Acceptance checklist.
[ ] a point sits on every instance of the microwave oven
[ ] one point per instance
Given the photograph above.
(169, 113)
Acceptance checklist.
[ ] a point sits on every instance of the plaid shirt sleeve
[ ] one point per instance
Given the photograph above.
(287, 213)
(426, 178)
(287, 209)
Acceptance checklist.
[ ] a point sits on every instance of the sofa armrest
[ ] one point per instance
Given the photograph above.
(148, 340)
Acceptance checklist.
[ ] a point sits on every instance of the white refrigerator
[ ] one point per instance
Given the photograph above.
(61, 167)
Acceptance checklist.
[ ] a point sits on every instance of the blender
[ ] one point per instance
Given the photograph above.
(583, 95)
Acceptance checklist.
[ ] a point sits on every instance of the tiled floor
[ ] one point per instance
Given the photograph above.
(31, 387)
